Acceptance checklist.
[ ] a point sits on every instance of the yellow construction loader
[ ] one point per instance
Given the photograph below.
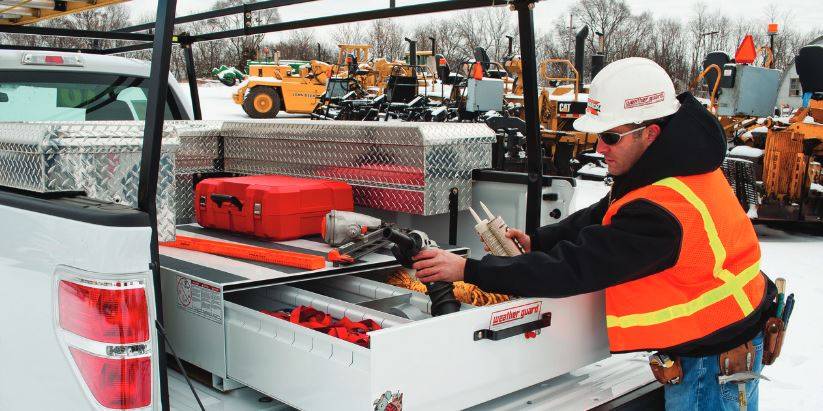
(280, 87)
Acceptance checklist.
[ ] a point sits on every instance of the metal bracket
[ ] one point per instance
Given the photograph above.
(486, 334)
(246, 18)
(184, 39)
(453, 209)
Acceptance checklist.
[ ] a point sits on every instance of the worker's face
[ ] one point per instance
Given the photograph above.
(621, 156)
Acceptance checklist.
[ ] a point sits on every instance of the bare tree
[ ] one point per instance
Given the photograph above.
(298, 45)
(484, 28)
(605, 16)
(239, 49)
(351, 33)
(386, 37)
(446, 37)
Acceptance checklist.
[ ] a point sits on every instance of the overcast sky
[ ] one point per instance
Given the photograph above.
(805, 14)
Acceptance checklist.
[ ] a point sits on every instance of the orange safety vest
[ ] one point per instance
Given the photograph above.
(715, 282)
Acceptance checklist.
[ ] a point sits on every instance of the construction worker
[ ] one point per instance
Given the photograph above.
(670, 244)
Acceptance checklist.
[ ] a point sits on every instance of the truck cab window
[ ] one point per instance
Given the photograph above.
(65, 96)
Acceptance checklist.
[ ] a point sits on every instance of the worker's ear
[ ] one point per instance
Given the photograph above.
(651, 133)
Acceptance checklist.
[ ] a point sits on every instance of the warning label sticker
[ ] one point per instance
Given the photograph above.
(199, 299)
(515, 315)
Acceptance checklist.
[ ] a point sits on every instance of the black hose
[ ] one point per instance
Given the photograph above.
(441, 292)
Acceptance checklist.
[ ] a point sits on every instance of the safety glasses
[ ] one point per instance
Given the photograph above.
(611, 138)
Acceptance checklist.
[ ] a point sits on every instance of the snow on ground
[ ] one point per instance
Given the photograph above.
(746, 151)
(794, 377)
(593, 170)
(798, 258)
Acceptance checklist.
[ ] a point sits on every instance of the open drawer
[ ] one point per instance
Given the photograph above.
(214, 320)
(423, 362)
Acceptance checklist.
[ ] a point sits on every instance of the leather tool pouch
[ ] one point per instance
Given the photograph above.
(671, 375)
(737, 360)
(773, 339)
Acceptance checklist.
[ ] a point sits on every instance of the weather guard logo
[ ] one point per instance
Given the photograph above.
(516, 313)
(644, 100)
(593, 107)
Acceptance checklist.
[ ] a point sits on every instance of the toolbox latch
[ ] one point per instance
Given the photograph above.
(258, 210)
(544, 321)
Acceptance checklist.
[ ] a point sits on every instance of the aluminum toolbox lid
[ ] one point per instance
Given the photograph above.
(390, 133)
(232, 274)
(79, 136)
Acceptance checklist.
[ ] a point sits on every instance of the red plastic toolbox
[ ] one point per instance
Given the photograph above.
(269, 206)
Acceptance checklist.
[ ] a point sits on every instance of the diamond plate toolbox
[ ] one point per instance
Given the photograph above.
(405, 167)
(199, 145)
(101, 159)
(199, 152)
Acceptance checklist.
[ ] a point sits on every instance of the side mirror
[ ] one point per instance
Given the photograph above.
(4, 98)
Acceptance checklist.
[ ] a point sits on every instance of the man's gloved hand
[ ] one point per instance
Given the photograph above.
(434, 264)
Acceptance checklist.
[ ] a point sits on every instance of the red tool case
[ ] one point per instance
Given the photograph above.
(269, 206)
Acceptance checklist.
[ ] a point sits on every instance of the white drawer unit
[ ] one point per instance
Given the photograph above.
(448, 362)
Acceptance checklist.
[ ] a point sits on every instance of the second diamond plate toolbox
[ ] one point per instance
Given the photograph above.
(406, 167)
(101, 159)
(199, 152)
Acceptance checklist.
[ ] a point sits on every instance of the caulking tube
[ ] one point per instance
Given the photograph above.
(482, 229)
(498, 228)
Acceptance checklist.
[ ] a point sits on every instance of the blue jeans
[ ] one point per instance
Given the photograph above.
(700, 391)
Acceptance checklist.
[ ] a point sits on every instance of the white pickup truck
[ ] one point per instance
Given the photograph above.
(78, 301)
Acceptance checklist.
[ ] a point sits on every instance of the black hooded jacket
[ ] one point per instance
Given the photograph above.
(580, 255)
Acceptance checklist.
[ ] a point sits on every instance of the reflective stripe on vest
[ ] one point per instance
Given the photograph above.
(733, 285)
(714, 282)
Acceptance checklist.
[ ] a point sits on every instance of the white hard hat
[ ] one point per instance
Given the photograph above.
(631, 90)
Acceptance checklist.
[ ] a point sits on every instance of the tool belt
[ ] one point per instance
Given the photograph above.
(737, 363)
(667, 369)
(773, 337)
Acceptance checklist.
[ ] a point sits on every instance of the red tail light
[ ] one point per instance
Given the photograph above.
(54, 60)
(116, 383)
(118, 316)
(104, 324)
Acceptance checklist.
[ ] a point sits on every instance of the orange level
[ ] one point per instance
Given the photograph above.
(249, 252)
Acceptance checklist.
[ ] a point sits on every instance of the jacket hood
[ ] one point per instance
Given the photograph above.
(691, 142)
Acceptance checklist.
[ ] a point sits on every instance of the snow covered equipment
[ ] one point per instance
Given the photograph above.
(747, 90)
(228, 75)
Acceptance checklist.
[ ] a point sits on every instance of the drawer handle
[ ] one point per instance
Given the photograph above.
(544, 321)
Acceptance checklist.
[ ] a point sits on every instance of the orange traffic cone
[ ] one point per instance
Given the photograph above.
(477, 72)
